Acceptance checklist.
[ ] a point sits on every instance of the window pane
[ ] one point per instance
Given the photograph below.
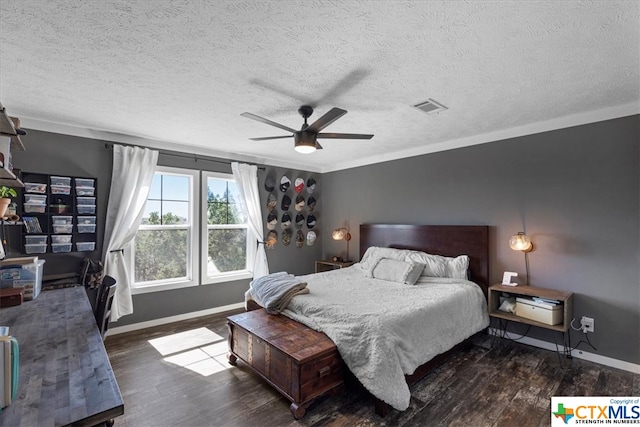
(222, 213)
(227, 251)
(236, 215)
(156, 186)
(160, 255)
(175, 213)
(234, 195)
(151, 214)
(175, 187)
(223, 205)
(217, 190)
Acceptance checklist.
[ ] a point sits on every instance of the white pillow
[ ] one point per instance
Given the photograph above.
(394, 270)
(435, 265)
(440, 266)
(374, 253)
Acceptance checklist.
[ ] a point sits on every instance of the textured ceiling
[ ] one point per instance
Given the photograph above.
(181, 72)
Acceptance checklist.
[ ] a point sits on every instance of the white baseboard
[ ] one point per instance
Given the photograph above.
(579, 354)
(163, 321)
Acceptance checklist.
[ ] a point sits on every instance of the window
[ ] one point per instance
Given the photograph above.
(228, 246)
(165, 252)
(164, 247)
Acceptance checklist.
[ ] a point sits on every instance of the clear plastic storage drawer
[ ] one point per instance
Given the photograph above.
(35, 249)
(34, 208)
(83, 182)
(85, 191)
(35, 199)
(85, 246)
(61, 219)
(61, 180)
(86, 209)
(60, 247)
(35, 187)
(86, 228)
(86, 220)
(86, 201)
(35, 240)
(60, 189)
(62, 229)
(61, 238)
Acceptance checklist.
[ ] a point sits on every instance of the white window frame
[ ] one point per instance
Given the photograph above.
(246, 273)
(193, 228)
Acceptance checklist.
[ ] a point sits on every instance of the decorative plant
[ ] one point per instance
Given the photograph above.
(7, 192)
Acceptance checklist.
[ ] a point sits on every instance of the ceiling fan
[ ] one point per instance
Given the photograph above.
(306, 139)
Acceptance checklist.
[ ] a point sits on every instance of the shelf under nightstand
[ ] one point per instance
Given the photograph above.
(566, 298)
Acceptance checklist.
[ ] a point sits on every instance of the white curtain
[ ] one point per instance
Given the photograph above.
(246, 177)
(133, 170)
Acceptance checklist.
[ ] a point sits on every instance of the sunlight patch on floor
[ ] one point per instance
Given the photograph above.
(181, 341)
(199, 350)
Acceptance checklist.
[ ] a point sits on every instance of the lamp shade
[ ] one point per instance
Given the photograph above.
(520, 242)
(339, 234)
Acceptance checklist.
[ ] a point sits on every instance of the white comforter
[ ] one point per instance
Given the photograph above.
(384, 330)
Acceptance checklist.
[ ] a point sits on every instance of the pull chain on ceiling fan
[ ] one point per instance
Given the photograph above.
(306, 139)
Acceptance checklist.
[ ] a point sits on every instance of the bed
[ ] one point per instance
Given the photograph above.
(389, 333)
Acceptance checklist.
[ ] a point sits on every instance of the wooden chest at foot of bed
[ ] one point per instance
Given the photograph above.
(299, 362)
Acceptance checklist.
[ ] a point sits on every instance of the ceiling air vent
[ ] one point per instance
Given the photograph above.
(430, 107)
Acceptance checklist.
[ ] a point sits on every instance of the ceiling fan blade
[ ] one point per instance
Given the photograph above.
(345, 135)
(266, 138)
(318, 146)
(324, 121)
(268, 122)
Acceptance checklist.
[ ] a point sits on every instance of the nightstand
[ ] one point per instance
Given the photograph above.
(332, 265)
(526, 292)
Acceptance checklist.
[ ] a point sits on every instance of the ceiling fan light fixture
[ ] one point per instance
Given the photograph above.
(306, 139)
(305, 143)
(305, 149)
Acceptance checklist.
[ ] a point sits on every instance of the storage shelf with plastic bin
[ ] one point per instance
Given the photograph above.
(35, 187)
(63, 208)
(22, 273)
(85, 246)
(35, 203)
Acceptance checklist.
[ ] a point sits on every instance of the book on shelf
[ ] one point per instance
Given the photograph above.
(3, 396)
(6, 383)
(9, 362)
(32, 224)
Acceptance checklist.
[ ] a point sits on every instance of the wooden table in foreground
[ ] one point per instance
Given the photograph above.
(65, 376)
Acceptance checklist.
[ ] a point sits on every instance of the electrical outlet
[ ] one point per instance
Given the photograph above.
(588, 324)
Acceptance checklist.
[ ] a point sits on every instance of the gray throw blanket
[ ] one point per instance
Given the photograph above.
(274, 291)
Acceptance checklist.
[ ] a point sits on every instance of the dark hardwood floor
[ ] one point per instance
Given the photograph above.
(185, 380)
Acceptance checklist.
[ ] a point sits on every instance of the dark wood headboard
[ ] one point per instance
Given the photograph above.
(445, 240)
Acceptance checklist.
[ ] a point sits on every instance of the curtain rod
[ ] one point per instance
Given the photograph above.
(194, 157)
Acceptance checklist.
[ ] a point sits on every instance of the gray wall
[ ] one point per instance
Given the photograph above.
(290, 258)
(55, 154)
(575, 191)
(51, 153)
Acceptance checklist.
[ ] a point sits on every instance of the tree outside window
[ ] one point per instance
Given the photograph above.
(226, 228)
(162, 242)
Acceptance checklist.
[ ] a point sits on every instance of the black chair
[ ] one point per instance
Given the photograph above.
(103, 304)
